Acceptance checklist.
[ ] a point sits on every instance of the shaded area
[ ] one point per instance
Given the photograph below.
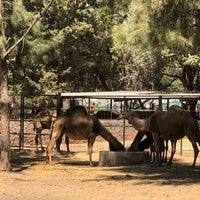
(180, 173)
(177, 174)
(24, 159)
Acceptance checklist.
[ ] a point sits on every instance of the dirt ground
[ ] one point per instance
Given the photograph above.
(70, 177)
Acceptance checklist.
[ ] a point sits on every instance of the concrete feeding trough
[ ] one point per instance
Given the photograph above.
(122, 158)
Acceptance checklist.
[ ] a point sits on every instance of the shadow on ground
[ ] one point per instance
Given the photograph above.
(24, 159)
(180, 173)
(177, 174)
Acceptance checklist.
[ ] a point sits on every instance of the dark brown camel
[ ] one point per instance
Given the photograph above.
(77, 124)
(43, 120)
(171, 125)
(174, 125)
(140, 145)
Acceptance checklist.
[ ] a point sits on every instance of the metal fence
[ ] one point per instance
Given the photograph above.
(104, 105)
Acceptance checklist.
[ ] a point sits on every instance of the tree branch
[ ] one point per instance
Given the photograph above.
(2, 29)
(35, 20)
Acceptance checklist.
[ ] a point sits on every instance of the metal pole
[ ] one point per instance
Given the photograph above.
(160, 103)
(21, 134)
(59, 103)
(181, 142)
(124, 127)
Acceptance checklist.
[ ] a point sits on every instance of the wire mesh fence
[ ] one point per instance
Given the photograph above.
(106, 107)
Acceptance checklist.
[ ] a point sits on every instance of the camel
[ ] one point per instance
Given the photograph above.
(140, 145)
(171, 125)
(77, 124)
(43, 120)
(140, 134)
(137, 144)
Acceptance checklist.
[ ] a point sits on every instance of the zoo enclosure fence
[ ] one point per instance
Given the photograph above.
(104, 105)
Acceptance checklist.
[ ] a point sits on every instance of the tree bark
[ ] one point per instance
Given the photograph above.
(5, 164)
(5, 132)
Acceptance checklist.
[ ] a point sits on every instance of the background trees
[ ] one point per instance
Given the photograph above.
(104, 45)
(70, 49)
(161, 41)
(89, 45)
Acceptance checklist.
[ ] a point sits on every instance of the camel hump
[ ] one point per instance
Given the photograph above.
(175, 108)
(74, 110)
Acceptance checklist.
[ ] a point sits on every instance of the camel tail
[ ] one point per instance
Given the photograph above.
(114, 144)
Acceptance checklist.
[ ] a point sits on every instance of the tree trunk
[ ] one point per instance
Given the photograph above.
(5, 133)
(5, 50)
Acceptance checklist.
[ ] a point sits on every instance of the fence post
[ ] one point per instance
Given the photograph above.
(160, 103)
(59, 104)
(124, 125)
(21, 134)
(181, 142)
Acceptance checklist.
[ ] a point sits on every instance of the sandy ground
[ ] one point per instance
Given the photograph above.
(70, 177)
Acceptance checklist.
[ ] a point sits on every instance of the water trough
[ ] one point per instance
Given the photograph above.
(122, 158)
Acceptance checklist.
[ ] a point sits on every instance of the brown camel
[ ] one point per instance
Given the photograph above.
(171, 125)
(77, 124)
(140, 145)
(43, 120)
(174, 125)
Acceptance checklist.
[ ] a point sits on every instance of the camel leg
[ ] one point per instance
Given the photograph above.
(67, 143)
(162, 148)
(136, 141)
(152, 154)
(36, 141)
(90, 148)
(166, 150)
(49, 150)
(40, 140)
(196, 152)
(156, 139)
(58, 143)
(173, 151)
(54, 137)
(38, 136)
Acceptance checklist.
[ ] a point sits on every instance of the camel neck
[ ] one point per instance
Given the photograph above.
(138, 124)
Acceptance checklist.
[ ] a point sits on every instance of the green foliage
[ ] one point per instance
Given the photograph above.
(105, 45)
(69, 49)
(166, 31)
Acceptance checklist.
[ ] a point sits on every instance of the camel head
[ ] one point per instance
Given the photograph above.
(123, 115)
(131, 116)
(127, 115)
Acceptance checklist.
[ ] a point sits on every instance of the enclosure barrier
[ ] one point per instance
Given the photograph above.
(104, 105)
